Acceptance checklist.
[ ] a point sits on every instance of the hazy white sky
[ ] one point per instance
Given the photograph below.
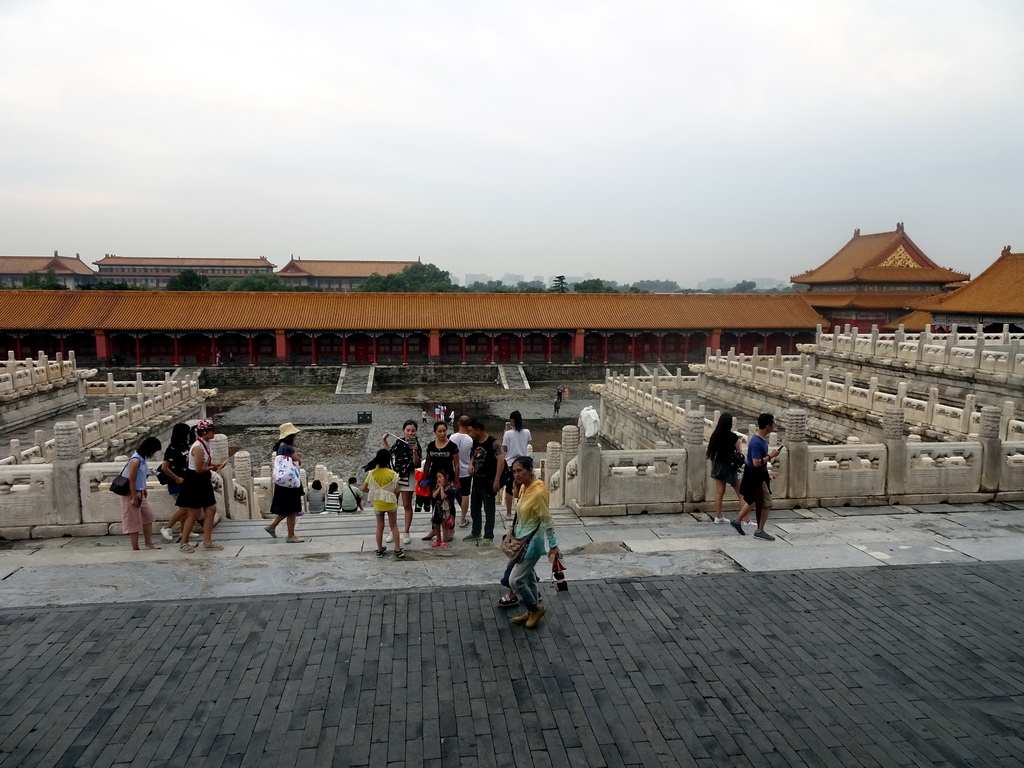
(640, 139)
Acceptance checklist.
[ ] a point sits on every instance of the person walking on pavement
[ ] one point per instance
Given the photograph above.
(196, 493)
(465, 443)
(756, 486)
(287, 502)
(558, 405)
(533, 522)
(485, 460)
(723, 450)
(405, 457)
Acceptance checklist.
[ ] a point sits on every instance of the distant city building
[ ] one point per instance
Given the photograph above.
(767, 283)
(476, 278)
(714, 284)
(510, 279)
(156, 272)
(330, 275)
(72, 273)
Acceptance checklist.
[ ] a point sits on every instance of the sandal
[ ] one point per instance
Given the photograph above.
(507, 601)
(187, 548)
(212, 546)
(464, 523)
(296, 540)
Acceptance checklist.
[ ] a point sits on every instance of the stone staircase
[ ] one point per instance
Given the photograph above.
(355, 380)
(182, 373)
(513, 376)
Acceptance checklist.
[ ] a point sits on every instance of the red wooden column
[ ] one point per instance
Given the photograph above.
(405, 349)
(604, 339)
(578, 345)
(434, 346)
(686, 347)
(792, 344)
(281, 347)
(462, 348)
(177, 356)
(520, 348)
(138, 351)
(344, 350)
(376, 348)
(715, 342)
(661, 338)
(102, 346)
(63, 353)
(490, 348)
(632, 349)
(312, 347)
(547, 348)
(213, 349)
(252, 349)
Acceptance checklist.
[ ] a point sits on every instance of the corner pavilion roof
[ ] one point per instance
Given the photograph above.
(61, 265)
(999, 290)
(251, 311)
(866, 299)
(886, 257)
(335, 268)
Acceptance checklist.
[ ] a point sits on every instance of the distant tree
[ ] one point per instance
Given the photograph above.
(530, 286)
(559, 285)
(416, 277)
(657, 286)
(744, 286)
(187, 280)
(258, 282)
(112, 285)
(43, 282)
(594, 286)
(635, 289)
(491, 286)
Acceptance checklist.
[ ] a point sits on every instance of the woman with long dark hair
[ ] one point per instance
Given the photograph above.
(173, 470)
(380, 487)
(405, 458)
(723, 449)
(136, 515)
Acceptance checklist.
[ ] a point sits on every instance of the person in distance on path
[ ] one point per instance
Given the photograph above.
(756, 486)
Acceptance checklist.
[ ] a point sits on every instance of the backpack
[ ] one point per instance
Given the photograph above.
(401, 458)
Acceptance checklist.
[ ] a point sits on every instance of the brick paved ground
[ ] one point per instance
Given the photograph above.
(920, 665)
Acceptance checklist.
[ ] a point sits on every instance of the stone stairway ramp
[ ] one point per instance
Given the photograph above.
(513, 376)
(181, 373)
(355, 380)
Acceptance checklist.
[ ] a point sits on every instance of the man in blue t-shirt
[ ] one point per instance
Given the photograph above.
(756, 485)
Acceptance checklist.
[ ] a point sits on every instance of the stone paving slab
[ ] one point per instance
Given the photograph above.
(755, 555)
(912, 553)
(987, 549)
(864, 511)
(861, 667)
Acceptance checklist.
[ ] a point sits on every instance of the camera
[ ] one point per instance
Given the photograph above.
(560, 583)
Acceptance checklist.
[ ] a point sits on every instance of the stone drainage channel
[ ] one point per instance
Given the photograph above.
(337, 554)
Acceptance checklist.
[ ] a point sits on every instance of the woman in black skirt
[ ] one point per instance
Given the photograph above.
(197, 491)
(287, 502)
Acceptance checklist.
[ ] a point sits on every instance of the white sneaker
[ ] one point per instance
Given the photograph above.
(167, 533)
(389, 538)
(719, 520)
(407, 539)
(751, 523)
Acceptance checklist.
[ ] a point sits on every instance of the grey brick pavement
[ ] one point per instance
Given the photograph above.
(897, 666)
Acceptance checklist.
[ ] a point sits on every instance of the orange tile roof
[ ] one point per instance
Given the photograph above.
(913, 321)
(867, 299)
(61, 265)
(885, 257)
(999, 290)
(166, 310)
(334, 268)
(111, 260)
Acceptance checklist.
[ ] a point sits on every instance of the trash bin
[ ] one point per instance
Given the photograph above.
(365, 417)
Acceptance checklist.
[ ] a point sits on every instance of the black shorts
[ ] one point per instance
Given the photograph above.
(465, 484)
(507, 479)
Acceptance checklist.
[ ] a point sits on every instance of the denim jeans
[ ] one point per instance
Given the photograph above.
(483, 494)
(525, 583)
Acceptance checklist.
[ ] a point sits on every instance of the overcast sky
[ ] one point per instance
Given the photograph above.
(668, 140)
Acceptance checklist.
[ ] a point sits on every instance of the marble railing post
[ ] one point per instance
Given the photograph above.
(991, 449)
(551, 467)
(589, 466)
(570, 447)
(219, 449)
(69, 456)
(243, 473)
(895, 448)
(796, 455)
(696, 456)
(1009, 411)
